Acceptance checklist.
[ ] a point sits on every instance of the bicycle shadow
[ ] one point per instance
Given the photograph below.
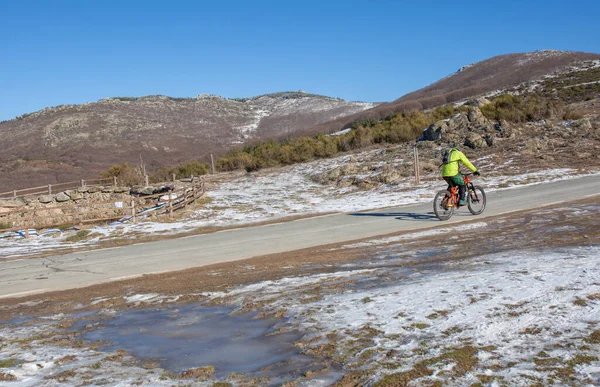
(400, 215)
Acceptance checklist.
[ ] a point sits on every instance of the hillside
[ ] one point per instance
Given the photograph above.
(488, 76)
(69, 142)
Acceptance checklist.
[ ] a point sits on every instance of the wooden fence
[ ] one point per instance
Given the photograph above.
(55, 188)
(129, 210)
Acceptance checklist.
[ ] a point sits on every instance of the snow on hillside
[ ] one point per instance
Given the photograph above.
(274, 106)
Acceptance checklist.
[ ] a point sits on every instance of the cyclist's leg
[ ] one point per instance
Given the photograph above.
(459, 180)
(449, 181)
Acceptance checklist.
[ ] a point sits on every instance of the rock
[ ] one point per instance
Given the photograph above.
(333, 174)
(435, 131)
(46, 199)
(12, 203)
(74, 194)
(29, 199)
(108, 189)
(61, 197)
(389, 177)
(489, 139)
(584, 124)
(83, 189)
(479, 102)
(349, 169)
(121, 189)
(94, 189)
(477, 119)
(142, 190)
(475, 141)
(458, 122)
(534, 145)
(346, 181)
(366, 185)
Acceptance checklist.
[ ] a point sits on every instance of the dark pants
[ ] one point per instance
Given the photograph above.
(457, 180)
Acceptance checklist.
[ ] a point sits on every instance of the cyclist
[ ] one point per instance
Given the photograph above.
(450, 171)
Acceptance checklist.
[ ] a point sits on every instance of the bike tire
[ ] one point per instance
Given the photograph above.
(476, 200)
(440, 209)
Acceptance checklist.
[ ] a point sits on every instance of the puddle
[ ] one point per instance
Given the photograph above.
(194, 336)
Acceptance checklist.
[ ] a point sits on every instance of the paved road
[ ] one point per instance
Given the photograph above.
(27, 276)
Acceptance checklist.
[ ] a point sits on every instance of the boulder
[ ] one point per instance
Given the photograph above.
(121, 189)
(142, 190)
(389, 177)
(108, 189)
(333, 174)
(74, 194)
(477, 119)
(584, 124)
(61, 197)
(458, 122)
(475, 141)
(46, 199)
(94, 189)
(489, 139)
(82, 189)
(435, 131)
(12, 203)
(479, 102)
(350, 168)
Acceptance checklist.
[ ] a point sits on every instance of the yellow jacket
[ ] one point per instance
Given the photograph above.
(456, 156)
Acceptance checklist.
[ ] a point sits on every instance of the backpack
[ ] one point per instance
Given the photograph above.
(446, 156)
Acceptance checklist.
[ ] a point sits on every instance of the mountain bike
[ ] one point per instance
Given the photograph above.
(447, 201)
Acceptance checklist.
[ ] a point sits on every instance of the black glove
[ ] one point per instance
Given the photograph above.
(476, 173)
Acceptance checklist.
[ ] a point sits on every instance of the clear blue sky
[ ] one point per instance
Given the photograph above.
(65, 51)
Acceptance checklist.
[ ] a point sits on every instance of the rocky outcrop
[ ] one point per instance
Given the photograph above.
(471, 129)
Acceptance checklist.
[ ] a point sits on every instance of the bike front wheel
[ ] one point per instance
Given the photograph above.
(443, 205)
(476, 200)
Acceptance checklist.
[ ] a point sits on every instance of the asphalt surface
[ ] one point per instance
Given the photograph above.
(75, 270)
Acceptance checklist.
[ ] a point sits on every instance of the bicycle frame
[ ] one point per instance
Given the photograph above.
(454, 200)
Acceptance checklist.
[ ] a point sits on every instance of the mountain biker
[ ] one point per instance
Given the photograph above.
(450, 171)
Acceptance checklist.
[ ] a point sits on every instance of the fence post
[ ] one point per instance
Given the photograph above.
(82, 183)
(146, 180)
(15, 193)
(212, 165)
(133, 210)
(115, 181)
(416, 164)
(26, 231)
(173, 177)
(49, 189)
(170, 206)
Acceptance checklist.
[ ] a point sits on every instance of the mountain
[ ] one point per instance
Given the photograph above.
(489, 76)
(66, 143)
(69, 142)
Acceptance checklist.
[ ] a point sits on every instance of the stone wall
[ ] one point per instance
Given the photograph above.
(74, 206)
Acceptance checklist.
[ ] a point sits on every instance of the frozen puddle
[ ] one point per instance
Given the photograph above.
(192, 336)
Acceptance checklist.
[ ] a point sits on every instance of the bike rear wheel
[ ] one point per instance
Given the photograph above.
(443, 207)
(476, 200)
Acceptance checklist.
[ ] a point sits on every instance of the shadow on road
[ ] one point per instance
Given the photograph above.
(400, 215)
